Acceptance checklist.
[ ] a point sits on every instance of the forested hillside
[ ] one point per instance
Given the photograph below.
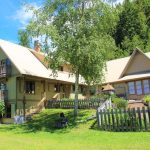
(122, 28)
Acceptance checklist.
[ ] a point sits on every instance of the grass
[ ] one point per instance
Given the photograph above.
(40, 134)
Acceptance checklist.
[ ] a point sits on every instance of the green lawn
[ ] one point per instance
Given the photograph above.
(40, 134)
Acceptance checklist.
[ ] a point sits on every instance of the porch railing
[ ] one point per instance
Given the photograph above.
(82, 103)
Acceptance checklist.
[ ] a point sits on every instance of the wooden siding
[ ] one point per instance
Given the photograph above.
(140, 63)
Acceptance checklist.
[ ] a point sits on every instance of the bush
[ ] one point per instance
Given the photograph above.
(119, 102)
(67, 99)
(2, 108)
(146, 98)
(100, 96)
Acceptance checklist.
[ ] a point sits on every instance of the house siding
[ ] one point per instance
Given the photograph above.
(121, 90)
(42, 87)
(139, 64)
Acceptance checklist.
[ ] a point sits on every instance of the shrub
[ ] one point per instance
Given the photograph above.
(100, 96)
(119, 102)
(67, 99)
(146, 98)
(2, 108)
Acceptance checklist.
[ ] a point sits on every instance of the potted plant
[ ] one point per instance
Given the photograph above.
(147, 99)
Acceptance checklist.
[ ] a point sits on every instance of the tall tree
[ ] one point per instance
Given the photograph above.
(133, 26)
(24, 39)
(78, 33)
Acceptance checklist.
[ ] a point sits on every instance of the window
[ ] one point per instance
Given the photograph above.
(146, 87)
(73, 88)
(131, 88)
(81, 89)
(61, 68)
(30, 87)
(138, 87)
(57, 88)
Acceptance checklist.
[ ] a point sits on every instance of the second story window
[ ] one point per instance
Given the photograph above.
(30, 87)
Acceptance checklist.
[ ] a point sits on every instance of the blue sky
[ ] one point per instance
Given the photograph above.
(14, 17)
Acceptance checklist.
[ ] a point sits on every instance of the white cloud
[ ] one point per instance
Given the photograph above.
(23, 15)
(114, 2)
(119, 1)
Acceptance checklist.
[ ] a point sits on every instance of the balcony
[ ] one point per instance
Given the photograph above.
(3, 95)
(5, 68)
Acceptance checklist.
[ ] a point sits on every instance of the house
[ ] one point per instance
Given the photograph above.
(26, 82)
(130, 76)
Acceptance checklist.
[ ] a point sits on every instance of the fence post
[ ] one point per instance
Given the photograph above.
(117, 120)
(148, 114)
(110, 104)
(109, 123)
(113, 121)
(139, 120)
(125, 119)
(105, 118)
(98, 118)
(121, 120)
(134, 120)
(144, 116)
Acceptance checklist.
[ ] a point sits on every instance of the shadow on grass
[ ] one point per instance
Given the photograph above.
(46, 121)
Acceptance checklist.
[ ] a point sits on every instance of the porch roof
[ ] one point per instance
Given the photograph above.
(135, 76)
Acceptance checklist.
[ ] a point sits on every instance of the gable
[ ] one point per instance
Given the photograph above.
(3, 56)
(26, 63)
(138, 63)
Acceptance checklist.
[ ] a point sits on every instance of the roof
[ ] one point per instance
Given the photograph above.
(27, 63)
(40, 56)
(135, 76)
(108, 87)
(114, 69)
(117, 67)
(131, 59)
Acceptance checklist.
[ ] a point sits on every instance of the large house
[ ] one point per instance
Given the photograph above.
(26, 82)
(130, 76)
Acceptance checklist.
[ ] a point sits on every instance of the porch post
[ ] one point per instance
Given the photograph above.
(24, 99)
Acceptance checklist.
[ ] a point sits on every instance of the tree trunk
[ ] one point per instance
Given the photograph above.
(76, 93)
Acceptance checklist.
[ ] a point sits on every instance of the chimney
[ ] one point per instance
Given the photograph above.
(37, 46)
